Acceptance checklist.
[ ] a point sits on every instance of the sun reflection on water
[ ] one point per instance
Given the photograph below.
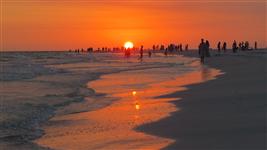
(134, 93)
(137, 106)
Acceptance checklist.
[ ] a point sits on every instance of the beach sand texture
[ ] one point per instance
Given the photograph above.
(228, 113)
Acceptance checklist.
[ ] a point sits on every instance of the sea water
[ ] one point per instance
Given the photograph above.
(36, 86)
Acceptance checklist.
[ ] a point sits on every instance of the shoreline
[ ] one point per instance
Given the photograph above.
(142, 127)
(43, 95)
(226, 113)
(24, 136)
(92, 126)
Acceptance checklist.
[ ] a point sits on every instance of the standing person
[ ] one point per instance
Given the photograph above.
(127, 53)
(141, 52)
(255, 45)
(176, 48)
(186, 47)
(246, 45)
(224, 47)
(207, 48)
(166, 52)
(219, 47)
(241, 46)
(234, 47)
(149, 53)
(162, 48)
(154, 48)
(202, 50)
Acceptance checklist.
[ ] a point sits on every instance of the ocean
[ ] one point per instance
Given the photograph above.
(36, 86)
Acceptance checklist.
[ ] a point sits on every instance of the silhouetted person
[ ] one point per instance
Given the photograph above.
(141, 52)
(243, 46)
(181, 47)
(234, 46)
(240, 46)
(219, 47)
(157, 47)
(246, 45)
(166, 52)
(255, 45)
(149, 53)
(127, 52)
(202, 50)
(224, 47)
(171, 48)
(162, 48)
(176, 48)
(207, 48)
(186, 47)
(90, 49)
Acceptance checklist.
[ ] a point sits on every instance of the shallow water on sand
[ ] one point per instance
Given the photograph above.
(134, 94)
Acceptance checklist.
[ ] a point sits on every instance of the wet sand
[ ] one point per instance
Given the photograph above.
(113, 127)
(228, 113)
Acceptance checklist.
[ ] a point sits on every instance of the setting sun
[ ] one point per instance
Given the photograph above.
(134, 93)
(128, 45)
(133, 74)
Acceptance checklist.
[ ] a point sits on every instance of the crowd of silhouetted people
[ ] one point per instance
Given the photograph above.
(242, 46)
(171, 48)
(203, 49)
(90, 49)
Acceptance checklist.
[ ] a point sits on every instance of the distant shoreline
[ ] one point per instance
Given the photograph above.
(157, 51)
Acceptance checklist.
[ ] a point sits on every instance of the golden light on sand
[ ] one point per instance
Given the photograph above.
(134, 93)
(128, 45)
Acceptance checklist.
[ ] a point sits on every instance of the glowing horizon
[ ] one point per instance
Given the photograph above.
(63, 25)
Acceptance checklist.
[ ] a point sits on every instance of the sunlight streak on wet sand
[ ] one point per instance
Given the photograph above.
(113, 127)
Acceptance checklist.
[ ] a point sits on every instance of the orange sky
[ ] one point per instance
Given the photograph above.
(69, 24)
